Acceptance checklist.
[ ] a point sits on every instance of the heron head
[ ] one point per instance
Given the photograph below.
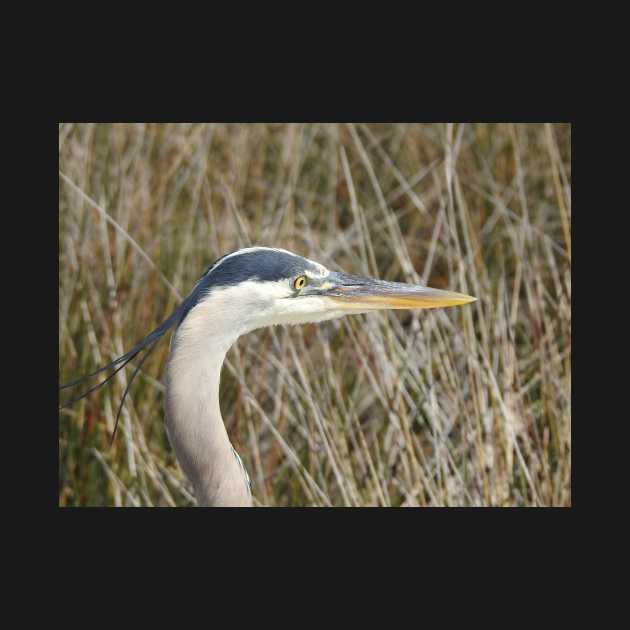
(261, 286)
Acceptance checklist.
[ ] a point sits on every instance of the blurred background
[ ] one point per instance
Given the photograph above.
(466, 406)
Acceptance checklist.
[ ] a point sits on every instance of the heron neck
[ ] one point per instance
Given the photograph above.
(193, 416)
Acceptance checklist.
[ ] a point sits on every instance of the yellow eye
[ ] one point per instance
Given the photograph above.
(300, 282)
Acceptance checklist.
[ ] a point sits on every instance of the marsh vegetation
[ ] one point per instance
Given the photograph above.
(467, 406)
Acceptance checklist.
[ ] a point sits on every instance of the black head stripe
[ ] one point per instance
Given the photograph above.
(263, 264)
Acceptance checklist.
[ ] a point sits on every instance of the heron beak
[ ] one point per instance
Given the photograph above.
(356, 293)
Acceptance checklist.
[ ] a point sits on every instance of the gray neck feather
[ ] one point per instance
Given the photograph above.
(193, 416)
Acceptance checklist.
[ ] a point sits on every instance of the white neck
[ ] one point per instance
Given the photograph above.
(193, 416)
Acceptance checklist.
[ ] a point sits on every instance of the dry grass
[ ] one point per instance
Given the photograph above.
(460, 407)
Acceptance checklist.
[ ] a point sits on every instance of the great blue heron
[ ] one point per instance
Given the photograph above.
(242, 291)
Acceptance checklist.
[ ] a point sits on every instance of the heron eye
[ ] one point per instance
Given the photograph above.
(300, 282)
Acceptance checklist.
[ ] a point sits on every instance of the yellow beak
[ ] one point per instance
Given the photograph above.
(352, 293)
